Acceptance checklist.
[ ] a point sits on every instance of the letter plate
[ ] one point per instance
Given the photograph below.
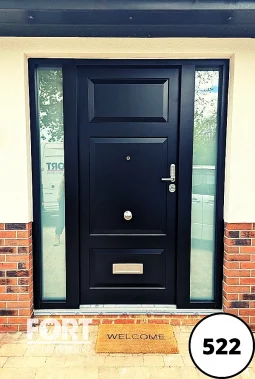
(127, 268)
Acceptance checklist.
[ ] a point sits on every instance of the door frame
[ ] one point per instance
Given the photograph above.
(184, 201)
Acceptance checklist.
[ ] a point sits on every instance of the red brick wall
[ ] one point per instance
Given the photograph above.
(172, 319)
(239, 271)
(16, 276)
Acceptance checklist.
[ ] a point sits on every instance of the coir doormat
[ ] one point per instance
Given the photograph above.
(136, 338)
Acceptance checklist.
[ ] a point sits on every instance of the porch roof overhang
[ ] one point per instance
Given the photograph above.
(127, 18)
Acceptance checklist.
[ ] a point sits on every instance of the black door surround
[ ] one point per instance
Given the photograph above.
(186, 68)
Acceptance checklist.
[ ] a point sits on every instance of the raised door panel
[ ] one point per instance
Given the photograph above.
(125, 175)
(135, 100)
(151, 261)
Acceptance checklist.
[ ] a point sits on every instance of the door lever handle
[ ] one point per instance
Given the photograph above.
(172, 175)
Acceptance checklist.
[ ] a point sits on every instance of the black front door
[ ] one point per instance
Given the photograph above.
(128, 139)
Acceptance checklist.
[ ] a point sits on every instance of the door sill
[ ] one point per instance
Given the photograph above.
(128, 308)
(123, 309)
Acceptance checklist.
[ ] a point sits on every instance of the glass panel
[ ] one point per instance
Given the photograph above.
(204, 185)
(50, 114)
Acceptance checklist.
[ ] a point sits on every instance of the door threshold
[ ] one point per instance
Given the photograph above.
(123, 309)
(128, 308)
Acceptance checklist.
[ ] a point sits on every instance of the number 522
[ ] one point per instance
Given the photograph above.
(210, 348)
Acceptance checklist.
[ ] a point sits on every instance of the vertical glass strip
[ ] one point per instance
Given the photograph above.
(51, 126)
(204, 185)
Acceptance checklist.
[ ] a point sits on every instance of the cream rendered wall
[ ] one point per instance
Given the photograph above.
(15, 156)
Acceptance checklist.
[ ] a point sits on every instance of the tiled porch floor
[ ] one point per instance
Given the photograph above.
(52, 361)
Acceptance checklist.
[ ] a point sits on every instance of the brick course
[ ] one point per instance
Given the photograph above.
(16, 276)
(170, 319)
(239, 271)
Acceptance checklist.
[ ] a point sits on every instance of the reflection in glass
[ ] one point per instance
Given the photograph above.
(204, 185)
(50, 120)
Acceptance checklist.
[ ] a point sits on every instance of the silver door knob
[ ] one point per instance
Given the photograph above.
(127, 215)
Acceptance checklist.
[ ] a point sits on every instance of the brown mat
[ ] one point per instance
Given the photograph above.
(136, 338)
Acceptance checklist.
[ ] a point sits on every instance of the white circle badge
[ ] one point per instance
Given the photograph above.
(221, 345)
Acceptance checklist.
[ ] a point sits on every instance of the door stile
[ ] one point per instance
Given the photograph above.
(186, 126)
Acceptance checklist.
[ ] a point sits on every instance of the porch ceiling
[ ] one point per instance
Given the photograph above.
(127, 18)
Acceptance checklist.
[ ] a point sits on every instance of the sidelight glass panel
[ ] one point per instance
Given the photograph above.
(204, 185)
(52, 181)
